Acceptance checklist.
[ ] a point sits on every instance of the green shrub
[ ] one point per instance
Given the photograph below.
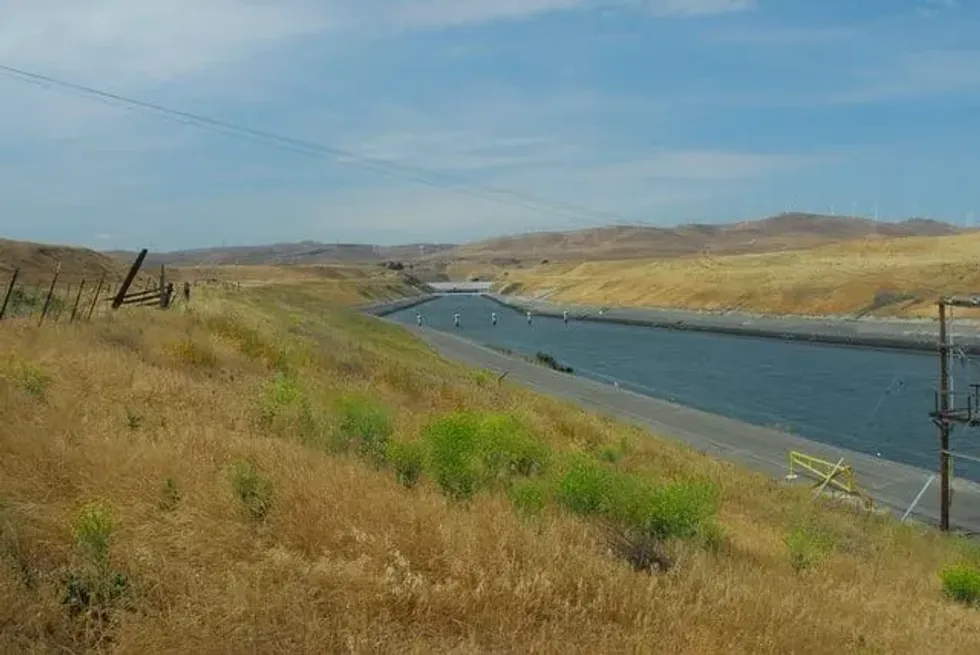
(93, 529)
(281, 398)
(408, 461)
(365, 424)
(509, 449)
(95, 588)
(679, 510)
(469, 450)
(280, 392)
(453, 444)
(807, 544)
(586, 486)
(961, 582)
(23, 302)
(482, 378)
(528, 497)
(253, 490)
(30, 377)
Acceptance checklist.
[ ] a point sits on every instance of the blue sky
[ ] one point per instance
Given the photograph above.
(656, 111)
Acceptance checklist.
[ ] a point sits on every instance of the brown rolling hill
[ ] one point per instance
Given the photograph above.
(290, 254)
(783, 232)
(37, 262)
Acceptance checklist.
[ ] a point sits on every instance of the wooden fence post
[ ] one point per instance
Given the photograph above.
(95, 298)
(163, 287)
(10, 291)
(130, 276)
(47, 301)
(78, 297)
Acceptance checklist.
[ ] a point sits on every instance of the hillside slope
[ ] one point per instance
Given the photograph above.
(786, 231)
(889, 277)
(614, 242)
(268, 473)
(302, 253)
(37, 262)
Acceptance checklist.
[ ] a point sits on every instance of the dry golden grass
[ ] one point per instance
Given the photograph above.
(341, 284)
(37, 263)
(148, 411)
(888, 277)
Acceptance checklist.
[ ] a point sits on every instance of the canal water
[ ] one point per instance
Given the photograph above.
(872, 401)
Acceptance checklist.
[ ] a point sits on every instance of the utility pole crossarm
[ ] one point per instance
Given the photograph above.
(960, 301)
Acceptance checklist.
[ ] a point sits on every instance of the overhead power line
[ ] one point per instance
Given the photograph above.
(302, 146)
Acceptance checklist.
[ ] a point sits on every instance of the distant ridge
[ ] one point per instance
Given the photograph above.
(38, 261)
(783, 231)
(301, 253)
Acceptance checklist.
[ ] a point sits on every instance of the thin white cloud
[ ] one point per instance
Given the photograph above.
(553, 156)
(446, 13)
(127, 46)
(579, 145)
(782, 36)
(139, 43)
(404, 210)
(664, 187)
(933, 8)
(575, 193)
(427, 14)
(912, 75)
(694, 8)
(462, 150)
(708, 165)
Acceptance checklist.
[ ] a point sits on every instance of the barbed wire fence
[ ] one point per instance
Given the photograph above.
(30, 296)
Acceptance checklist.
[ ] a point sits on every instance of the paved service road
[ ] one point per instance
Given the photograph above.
(890, 484)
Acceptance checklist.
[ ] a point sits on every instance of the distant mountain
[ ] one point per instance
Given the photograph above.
(785, 231)
(36, 263)
(782, 232)
(304, 252)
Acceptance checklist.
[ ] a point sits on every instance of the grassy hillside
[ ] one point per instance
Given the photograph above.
(345, 285)
(266, 472)
(307, 253)
(37, 263)
(790, 231)
(893, 277)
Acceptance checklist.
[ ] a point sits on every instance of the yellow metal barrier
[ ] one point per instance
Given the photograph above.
(828, 473)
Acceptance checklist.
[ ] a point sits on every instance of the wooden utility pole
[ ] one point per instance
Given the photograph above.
(948, 411)
(943, 419)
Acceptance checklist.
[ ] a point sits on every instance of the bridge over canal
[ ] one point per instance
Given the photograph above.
(461, 287)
